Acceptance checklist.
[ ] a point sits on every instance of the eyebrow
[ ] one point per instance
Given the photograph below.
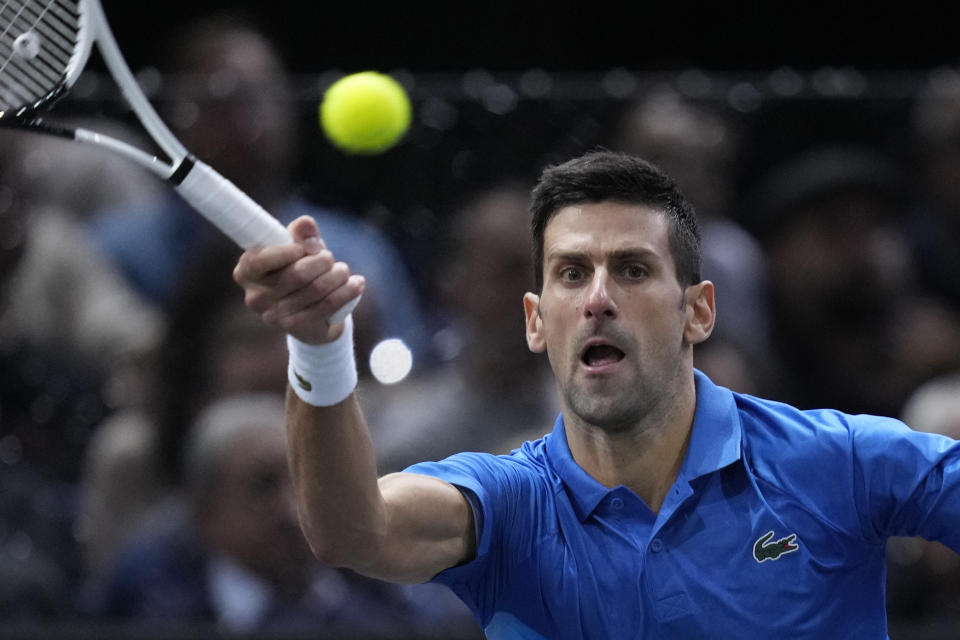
(619, 255)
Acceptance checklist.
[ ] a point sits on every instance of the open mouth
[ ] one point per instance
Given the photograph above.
(599, 355)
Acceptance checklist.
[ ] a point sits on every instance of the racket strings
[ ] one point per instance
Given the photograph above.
(38, 40)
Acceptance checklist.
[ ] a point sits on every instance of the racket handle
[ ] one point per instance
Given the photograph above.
(230, 209)
(237, 215)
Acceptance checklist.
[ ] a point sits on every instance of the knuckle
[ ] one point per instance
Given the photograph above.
(325, 259)
(301, 275)
(320, 288)
(290, 323)
(268, 319)
(255, 301)
(341, 271)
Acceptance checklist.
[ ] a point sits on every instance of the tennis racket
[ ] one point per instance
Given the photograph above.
(44, 46)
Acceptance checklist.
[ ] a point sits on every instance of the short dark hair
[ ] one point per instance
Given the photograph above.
(607, 176)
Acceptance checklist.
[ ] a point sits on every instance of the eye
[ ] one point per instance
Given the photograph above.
(571, 274)
(635, 271)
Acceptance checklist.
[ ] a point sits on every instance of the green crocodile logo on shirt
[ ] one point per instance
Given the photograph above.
(763, 551)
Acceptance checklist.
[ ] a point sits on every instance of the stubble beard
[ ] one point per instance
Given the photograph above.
(636, 402)
(613, 409)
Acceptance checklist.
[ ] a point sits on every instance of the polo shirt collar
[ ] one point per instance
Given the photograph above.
(715, 439)
(714, 444)
(584, 491)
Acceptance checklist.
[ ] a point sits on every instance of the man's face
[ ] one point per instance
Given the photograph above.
(612, 317)
(243, 123)
(253, 519)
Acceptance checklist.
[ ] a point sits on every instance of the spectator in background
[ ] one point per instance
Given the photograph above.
(490, 392)
(229, 555)
(227, 97)
(227, 354)
(211, 349)
(73, 342)
(844, 293)
(76, 178)
(57, 290)
(934, 222)
(697, 145)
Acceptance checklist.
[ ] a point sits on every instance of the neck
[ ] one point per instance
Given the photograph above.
(645, 457)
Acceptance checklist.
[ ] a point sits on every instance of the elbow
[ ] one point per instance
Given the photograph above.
(331, 554)
(347, 549)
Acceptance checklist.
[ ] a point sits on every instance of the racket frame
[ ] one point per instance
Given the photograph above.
(216, 198)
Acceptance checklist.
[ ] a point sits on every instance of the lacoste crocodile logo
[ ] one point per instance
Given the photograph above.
(303, 382)
(763, 551)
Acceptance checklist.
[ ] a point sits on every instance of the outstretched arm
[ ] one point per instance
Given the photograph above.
(402, 527)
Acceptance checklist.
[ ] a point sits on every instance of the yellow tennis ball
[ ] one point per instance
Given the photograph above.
(365, 113)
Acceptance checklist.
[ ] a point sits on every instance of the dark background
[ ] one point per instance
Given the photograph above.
(410, 190)
(568, 36)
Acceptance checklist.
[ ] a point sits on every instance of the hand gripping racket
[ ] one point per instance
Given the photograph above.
(44, 46)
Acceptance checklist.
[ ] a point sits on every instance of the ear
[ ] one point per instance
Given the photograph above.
(531, 307)
(700, 311)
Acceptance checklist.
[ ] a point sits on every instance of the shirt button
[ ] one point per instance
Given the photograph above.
(617, 503)
(656, 545)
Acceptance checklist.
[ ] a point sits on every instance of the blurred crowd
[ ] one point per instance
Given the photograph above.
(144, 485)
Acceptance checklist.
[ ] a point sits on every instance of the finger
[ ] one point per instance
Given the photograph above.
(266, 291)
(310, 324)
(256, 265)
(305, 232)
(349, 294)
(303, 273)
(312, 293)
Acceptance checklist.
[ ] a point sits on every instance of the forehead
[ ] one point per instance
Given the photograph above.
(607, 227)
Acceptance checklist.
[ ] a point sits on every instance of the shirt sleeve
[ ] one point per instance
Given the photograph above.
(495, 487)
(906, 482)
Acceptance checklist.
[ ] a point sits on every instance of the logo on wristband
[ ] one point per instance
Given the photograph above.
(303, 382)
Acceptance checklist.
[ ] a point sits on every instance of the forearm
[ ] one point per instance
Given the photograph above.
(334, 472)
(415, 527)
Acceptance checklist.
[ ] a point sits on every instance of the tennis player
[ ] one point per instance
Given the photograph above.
(661, 505)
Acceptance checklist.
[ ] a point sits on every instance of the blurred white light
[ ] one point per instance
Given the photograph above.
(150, 80)
(536, 83)
(744, 97)
(619, 83)
(438, 114)
(499, 99)
(832, 81)
(391, 361)
(786, 82)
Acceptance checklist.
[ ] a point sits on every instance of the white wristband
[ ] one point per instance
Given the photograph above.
(325, 374)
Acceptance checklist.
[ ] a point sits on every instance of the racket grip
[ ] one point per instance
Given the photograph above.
(238, 216)
(230, 209)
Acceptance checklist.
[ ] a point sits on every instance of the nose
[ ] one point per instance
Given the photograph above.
(600, 303)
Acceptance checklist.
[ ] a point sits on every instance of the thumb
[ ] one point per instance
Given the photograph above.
(304, 231)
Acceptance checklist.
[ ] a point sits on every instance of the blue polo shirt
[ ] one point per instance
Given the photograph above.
(775, 528)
